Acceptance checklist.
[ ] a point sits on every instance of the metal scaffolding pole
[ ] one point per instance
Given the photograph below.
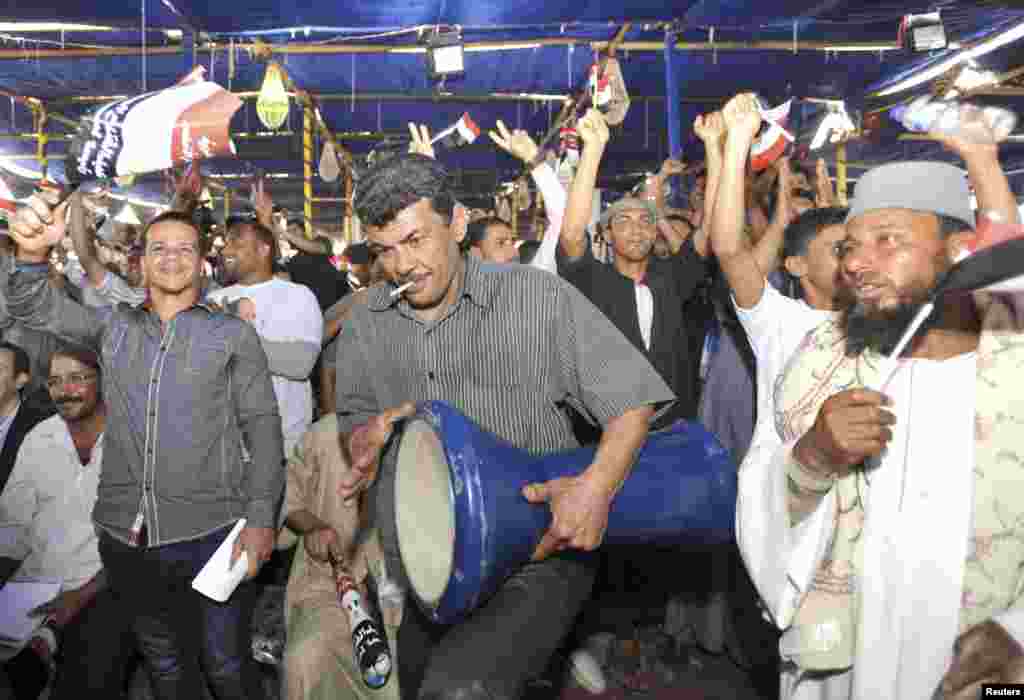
(675, 140)
(307, 169)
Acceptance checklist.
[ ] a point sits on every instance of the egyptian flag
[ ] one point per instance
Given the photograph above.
(154, 131)
(773, 139)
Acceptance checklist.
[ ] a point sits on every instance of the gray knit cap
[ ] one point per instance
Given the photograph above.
(939, 188)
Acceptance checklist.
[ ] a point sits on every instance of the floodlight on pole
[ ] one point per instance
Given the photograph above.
(445, 54)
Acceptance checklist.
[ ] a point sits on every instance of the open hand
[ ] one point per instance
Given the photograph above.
(579, 514)
(518, 143)
(263, 204)
(363, 448)
(420, 140)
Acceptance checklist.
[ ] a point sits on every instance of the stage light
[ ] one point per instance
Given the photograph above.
(272, 103)
(984, 47)
(445, 55)
(924, 32)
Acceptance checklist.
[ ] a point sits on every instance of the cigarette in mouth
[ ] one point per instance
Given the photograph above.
(401, 289)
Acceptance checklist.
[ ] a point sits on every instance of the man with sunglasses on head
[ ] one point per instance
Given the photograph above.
(193, 445)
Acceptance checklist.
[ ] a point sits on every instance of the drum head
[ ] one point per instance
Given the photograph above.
(424, 511)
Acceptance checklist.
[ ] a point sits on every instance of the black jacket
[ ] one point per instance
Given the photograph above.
(676, 337)
(29, 415)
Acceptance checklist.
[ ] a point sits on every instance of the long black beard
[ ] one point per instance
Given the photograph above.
(881, 330)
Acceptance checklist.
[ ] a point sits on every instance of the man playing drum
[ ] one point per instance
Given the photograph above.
(511, 347)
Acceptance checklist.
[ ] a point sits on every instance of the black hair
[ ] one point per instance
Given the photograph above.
(22, 363)
(949, 225)
(806, 227)
(476, 232)
(398, 182)
(178, 217)
(527, 251)
(358, 254)
(80, 354)
(798, 236)
(262, 233)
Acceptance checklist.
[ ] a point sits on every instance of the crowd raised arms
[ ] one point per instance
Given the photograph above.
(176, 398)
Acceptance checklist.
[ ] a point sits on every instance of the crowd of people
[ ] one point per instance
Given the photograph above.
(151, 400)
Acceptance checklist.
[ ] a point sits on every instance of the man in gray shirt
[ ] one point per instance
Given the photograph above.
(193, 445)
(510, 346)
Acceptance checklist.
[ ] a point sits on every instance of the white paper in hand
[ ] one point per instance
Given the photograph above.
(218, 579)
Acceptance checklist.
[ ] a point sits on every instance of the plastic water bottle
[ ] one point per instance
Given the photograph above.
(974, 123)
(369, 641)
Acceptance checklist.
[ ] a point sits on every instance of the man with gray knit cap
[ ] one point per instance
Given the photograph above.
(880, 520)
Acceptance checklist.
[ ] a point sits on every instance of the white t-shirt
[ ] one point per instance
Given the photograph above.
(285, 312)
(775, 327)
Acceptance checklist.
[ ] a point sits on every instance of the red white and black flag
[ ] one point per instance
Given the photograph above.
(155, 131)
(773, 139)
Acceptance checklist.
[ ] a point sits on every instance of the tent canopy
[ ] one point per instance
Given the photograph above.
(523, 57)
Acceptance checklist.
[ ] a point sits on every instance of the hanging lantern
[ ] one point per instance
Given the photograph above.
(272, 104)
(330, 169)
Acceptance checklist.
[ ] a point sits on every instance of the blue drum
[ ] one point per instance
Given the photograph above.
(464, 526)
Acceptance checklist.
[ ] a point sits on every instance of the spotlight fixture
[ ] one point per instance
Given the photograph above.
(445, 54)
(921, 33)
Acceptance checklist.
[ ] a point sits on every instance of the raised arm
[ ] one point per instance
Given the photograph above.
(36, 228)
(669, 168)
(84, 241)
(519, 144)
(594, 133)
(714, 161)
(987, 177)
(734, 253)
(768, 248)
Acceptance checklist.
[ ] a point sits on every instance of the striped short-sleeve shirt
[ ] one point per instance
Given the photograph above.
(515, 349)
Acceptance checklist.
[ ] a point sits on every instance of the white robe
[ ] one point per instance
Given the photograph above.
(914, 557)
